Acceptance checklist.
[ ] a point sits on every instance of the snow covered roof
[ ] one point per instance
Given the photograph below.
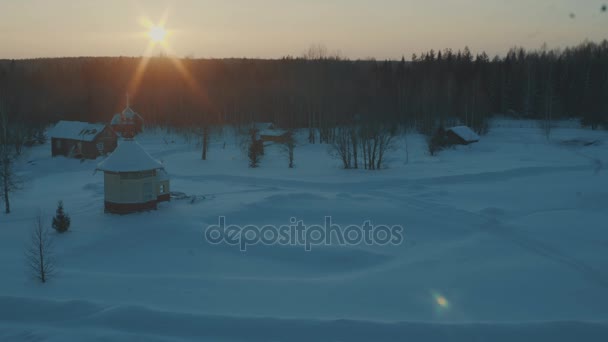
(76, 130)
(116, 119)
(465, 133)
(129, 156)
(128, 116)
(272, 132)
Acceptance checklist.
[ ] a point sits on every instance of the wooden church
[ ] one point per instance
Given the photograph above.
(133, 180)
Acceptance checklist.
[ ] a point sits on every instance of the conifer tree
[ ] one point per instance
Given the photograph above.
(61, 221)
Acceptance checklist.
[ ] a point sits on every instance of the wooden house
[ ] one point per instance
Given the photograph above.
(460, 135)
(133, 180)
(84, 140)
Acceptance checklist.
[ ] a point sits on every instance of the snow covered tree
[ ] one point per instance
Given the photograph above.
(38, 253)
(61, 221)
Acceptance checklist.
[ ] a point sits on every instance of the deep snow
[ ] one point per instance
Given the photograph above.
(511, 231)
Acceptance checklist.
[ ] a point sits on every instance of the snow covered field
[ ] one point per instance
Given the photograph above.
(505, 240)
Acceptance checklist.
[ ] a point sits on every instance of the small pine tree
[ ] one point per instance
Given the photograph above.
(40, 137)
(256, 150)
(61, 221)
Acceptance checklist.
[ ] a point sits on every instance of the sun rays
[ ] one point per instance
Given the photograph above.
(158, 36)
(157, 33)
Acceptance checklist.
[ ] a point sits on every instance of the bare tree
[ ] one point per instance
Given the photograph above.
(288, 147)
(354, 143)
(200, 134)
(341, 146)
(19, 134)
(205, 141)
(385, 143)
(316, 52)
(375, 141)
(548, 103)
(407, 147)
(8, 180)
(38, 253)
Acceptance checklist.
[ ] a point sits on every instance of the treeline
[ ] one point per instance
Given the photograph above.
(316, 91)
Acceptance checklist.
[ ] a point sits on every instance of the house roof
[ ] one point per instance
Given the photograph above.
(127, 117)
(76, 130)
(465, 133)
(129, 156)
(272, 132)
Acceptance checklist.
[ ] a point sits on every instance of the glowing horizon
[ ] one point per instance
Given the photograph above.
(273, 28)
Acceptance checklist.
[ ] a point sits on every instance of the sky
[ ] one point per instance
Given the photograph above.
(382, 29)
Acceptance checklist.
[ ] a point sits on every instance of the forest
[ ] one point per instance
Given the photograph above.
(318, 90)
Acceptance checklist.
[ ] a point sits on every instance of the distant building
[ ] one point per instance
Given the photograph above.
(133, 180)
(267, 132)
(77, 139)
(127, 123)
(460, 135)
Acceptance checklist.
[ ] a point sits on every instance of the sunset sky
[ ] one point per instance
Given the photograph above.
(275, 28)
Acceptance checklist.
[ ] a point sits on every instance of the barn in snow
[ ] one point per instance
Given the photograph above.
(82, 139)
(461, 135)
(133, 180)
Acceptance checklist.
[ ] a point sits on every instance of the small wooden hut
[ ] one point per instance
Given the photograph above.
(133, 180)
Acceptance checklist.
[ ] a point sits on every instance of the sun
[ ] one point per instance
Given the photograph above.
(157, 34)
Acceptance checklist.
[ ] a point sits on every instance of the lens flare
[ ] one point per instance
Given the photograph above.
(441, 301)
(157, 34)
